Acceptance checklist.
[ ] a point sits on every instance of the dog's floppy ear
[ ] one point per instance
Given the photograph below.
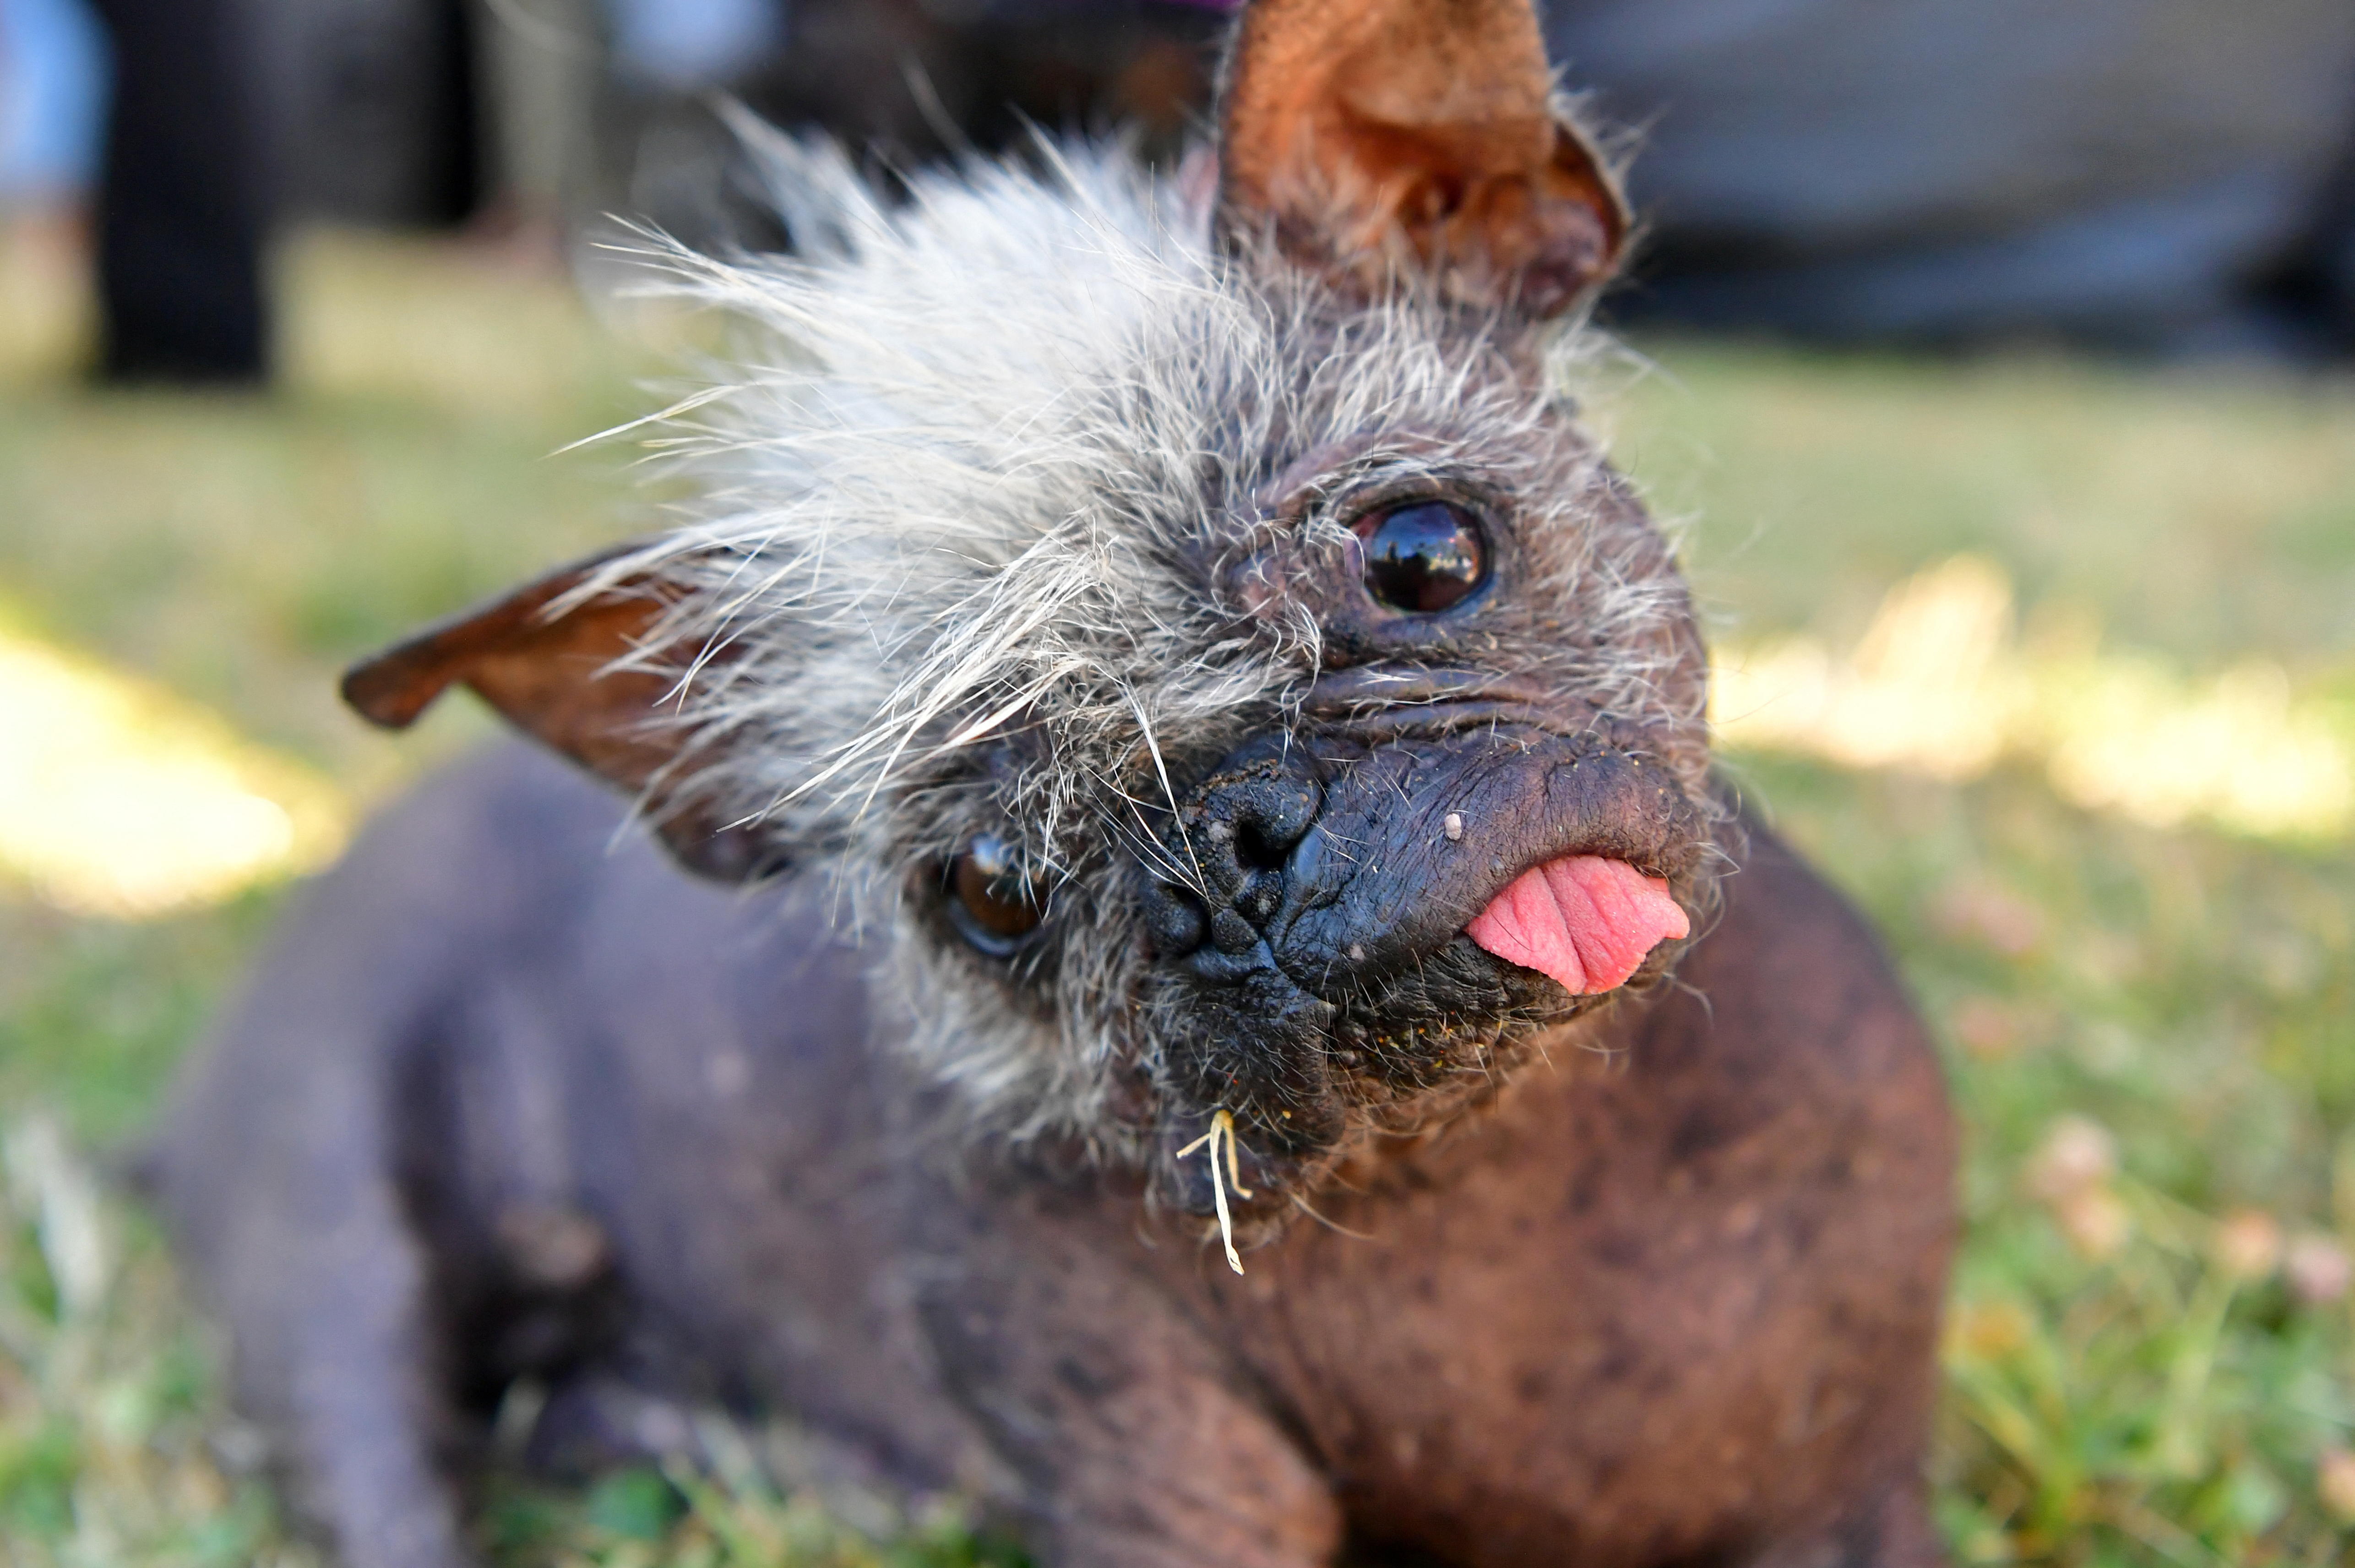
(1377, 139)
(548, 660)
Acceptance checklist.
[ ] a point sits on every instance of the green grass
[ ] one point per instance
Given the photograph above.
(2133, 1376)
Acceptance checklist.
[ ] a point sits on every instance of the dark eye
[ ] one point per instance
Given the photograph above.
(991, 907)
(1425, 558)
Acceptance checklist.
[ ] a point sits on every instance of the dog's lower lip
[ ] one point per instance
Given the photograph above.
(1585, 920)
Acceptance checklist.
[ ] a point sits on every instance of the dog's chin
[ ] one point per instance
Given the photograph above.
(1306, 1081)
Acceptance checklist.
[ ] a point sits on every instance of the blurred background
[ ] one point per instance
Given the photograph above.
(1994, 364)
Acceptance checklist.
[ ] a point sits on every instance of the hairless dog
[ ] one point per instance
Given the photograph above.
(1133, 919)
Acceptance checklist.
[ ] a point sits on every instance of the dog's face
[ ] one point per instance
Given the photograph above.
(1184, 616)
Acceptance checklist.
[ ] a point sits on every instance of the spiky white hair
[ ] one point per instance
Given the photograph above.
(968, 497)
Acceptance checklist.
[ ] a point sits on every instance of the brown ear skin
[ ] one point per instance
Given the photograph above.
(1376, 138)
(553, 678)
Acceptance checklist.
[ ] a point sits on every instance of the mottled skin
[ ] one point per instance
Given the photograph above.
(1671, 1304)
(1648, 1278)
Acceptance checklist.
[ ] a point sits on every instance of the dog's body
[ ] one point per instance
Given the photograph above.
(1670, 1304)
(1259, 745)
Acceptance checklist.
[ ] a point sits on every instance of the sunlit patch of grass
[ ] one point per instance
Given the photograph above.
(2208, 515)
(117, 798)
(241, 548)
(1940, 683)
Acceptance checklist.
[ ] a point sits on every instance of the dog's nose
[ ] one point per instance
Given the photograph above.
(1222, 876)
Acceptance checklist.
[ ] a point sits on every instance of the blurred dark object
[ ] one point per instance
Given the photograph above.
(2161, 175)
(912, 75)
(536, 113)
(914, 80)
(2318, 280)
(373, 108)
(181, 202)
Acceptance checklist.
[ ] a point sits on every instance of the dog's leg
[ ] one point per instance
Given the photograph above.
(1174, 1471)
(368, 1411)
(311, 1166)
(1891, 1529)
(301, 1231)
(1133, 1438)
(280, 1184)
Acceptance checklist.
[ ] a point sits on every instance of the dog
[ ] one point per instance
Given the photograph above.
(1128, 915)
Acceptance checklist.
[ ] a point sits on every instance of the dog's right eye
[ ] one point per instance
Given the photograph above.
(991, 907)
(1423, 558)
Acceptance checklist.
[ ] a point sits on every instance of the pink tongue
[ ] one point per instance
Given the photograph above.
(1585, 920)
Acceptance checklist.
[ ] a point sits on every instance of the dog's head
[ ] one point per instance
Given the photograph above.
(1186, 615)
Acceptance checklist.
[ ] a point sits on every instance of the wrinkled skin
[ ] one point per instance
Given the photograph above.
(1325, 958)
(500, 1103)
(1180, 783)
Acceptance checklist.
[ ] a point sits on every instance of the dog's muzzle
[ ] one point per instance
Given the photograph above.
(1307, 907)
(1340, 864)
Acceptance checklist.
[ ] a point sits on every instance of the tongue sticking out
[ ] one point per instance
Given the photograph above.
(1585, 920)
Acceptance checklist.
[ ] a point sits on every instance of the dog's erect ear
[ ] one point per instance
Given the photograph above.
(1381, 138)
(550, 668)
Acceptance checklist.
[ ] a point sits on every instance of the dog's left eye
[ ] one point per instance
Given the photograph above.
(991, 907)
(1423, 559)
